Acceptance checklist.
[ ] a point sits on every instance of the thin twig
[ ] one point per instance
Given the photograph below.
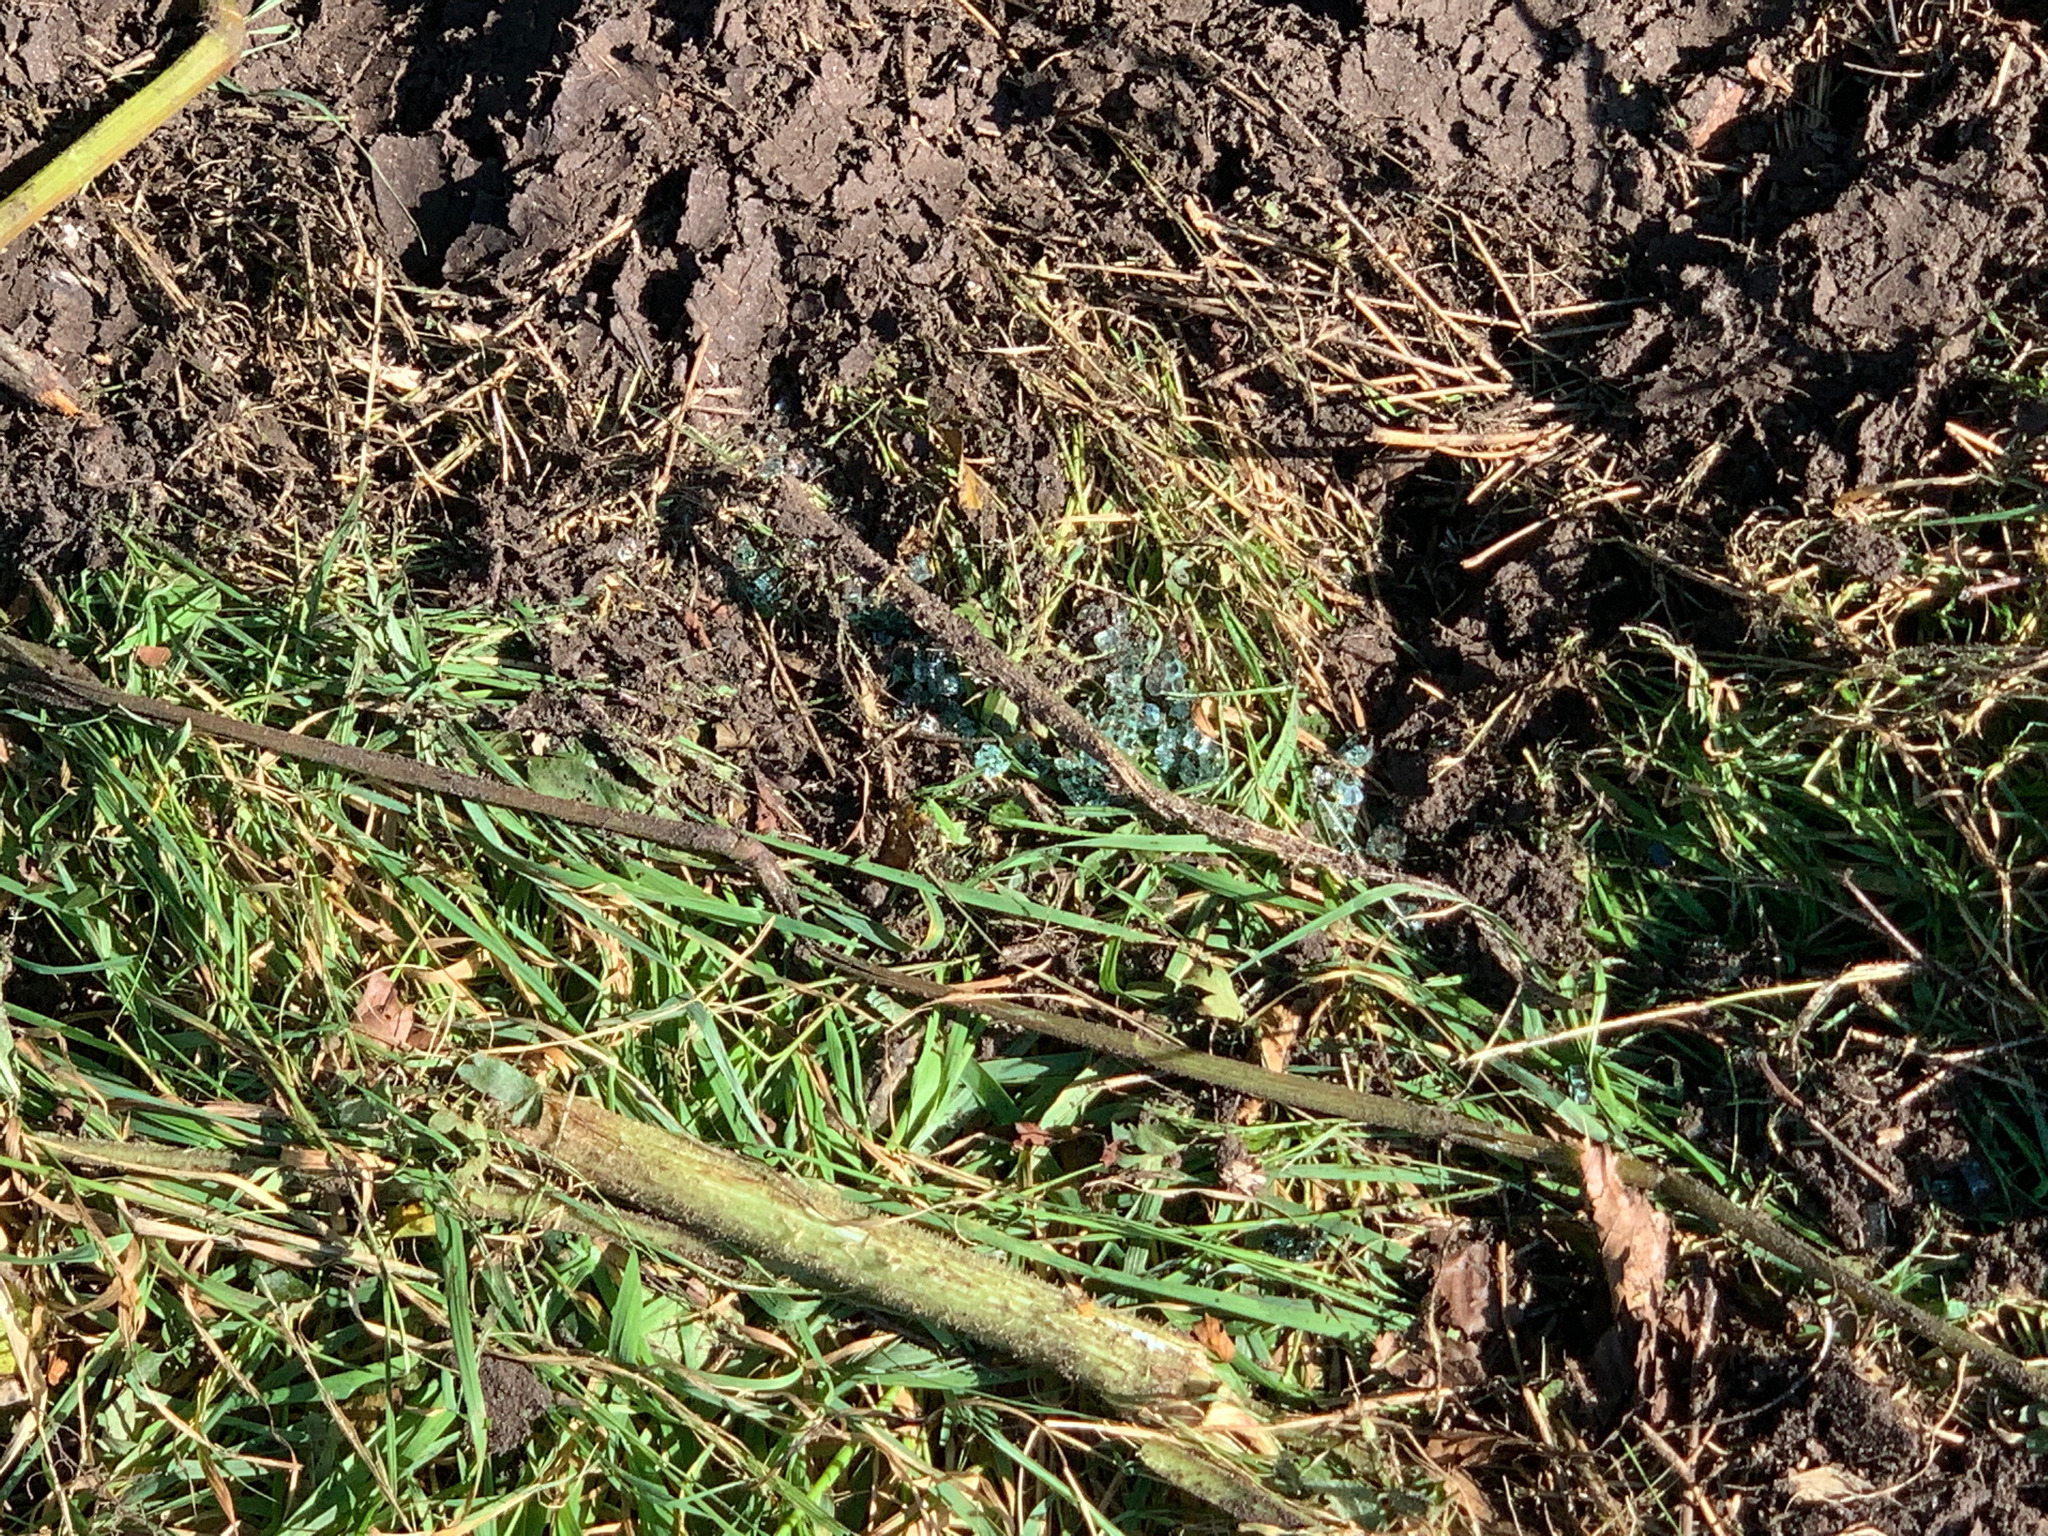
(1884, 1181)
(802, 516)
(55, 677)
(1857, 975)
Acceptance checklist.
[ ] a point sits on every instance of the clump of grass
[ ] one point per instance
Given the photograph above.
(343, 1342)
(1861, 783)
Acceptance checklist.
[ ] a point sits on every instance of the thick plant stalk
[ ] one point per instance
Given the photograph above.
(1198, 1427)
(212, 56)
(1191, 1430)
(799, 1227)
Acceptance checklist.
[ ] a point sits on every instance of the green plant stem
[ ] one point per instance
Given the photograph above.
(809, 1230)
(127, 125)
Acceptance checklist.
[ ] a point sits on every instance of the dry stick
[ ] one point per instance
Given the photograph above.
(51, 675)
(1850, 1155)
(212, 56)
(802, 517)
(54, 676)
(1402, 1117)
(1863, 974)
(36, 378)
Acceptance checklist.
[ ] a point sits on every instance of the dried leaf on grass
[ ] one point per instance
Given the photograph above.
(1241, 1425)
(1635, 1237)
(380, 1016)
(1279, 1029)
(1237, 1170)
(1635, 1248)
(1464, 1280)
(1215, 1338)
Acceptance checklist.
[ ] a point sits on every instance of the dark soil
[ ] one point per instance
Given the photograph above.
(772, 203)
(514, 1401)
(1839, 1450)
(1797, 223)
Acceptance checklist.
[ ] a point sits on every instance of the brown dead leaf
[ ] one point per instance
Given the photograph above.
(1635, 1237)
(973, 489)
(398, 378)
(1241, 1425)
(1279, 1028)
(1394, 1356)
(379, 1014)
(1464, 1279)
(1029, 1133)
(1384, 1349)
(774, 1343)
(153, 655)
(1476, 1507)
(1823, 1485)
(555, 1064)
(1215, 1338)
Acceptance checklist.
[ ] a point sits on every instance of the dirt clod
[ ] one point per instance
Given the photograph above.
(514, 1401)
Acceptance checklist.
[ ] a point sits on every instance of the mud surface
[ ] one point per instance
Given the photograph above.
(1744, 244)
(761, 206)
